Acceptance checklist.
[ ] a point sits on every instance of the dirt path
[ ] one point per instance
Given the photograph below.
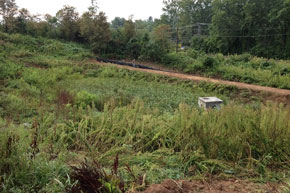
(229, 186)
(277, 91)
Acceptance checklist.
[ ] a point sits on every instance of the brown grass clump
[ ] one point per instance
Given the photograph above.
(92, 178)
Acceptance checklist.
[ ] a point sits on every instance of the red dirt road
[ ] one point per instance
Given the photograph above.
(229, 186)
(277, 91)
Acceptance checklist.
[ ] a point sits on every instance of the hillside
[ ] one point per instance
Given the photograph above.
(65, 121)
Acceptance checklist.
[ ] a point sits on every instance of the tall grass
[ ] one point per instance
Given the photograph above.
(55, 115)
(210, 141)
(236, 133)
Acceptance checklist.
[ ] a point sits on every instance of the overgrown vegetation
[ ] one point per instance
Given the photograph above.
(58, 110)
(260, 28)
(213, 26)
(199, 27)
(68, 124)
(241, 68)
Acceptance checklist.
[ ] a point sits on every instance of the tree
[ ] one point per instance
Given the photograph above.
(68, 25)
(172, 11)
(22, 20)
(192, 15)
(95, 30)
(198, 11)
(51, 25)
(227, 25)
(133, 48)
(8, 11)
(145, 25)
(282, 18)
(259, 27)
(129, 31)
(118, 22)
(161, 36)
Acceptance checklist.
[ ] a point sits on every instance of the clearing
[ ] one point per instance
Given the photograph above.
(240, 85)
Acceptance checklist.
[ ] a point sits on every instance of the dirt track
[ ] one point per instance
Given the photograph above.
(276, 91)
(229, 186)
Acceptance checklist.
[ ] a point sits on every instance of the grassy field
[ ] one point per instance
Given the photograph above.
(65, 121)
(240, 68)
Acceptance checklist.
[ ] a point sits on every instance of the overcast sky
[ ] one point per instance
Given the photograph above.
(141, 9)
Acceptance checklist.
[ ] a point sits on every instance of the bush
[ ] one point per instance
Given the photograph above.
(84, 99)
(240, 68)
(153, 51)
(14, 107)
(192, 53)
(9, 70)
(209, 62)
(191, 62)
(177, 60)
(242, 58)
(23, 168)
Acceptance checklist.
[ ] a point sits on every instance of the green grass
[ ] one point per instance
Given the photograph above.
(240, 68)
(154, 94)
(55, 113)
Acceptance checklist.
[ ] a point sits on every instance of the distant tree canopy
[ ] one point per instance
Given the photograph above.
(95, 30)
(259, 27)
(8, 12)
(68, 19)
(118, 22)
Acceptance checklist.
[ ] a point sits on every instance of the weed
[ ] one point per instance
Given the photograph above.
(92, 178)
(56, 112)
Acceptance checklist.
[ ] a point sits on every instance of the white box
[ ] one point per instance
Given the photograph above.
(210, 103)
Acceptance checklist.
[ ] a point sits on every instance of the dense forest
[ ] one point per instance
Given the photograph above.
(258, 27)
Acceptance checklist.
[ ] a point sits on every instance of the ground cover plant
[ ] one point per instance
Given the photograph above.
(241, 68)
(62, 116)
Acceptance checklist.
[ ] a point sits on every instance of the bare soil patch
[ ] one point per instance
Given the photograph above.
(230, 186)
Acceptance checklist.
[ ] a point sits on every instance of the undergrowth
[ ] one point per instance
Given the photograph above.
(240, 68)
(64, 120)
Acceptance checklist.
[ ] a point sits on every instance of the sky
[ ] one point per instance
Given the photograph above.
(141, 9)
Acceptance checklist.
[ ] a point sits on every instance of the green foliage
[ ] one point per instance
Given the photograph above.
(264, 34)
(8, 11)
(259, 28)
(11, 105)
(241, 68)
(94, 28)
(209, 62)
(68, 23)
(22, 168)
(29, 47)
(84, 99)
(9, 70)
(55, 116)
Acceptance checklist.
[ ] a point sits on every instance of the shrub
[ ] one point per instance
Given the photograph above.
(14, 107)
(177, 60)
(9, 70)
(84, 99)
(209, 62)
(192, 53)
(92, 177)
(240, 58)
(21, 170)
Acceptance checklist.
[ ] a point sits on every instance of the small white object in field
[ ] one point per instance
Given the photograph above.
(210, 103)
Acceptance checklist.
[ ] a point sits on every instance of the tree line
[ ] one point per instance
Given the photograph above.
(259, 27)
(146, 39)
